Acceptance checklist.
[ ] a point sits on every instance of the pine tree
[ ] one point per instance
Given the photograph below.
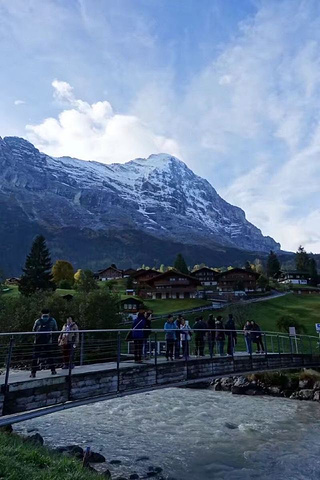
(302, 260)
(37, 271)
(273, 265)
(313, 272)
(248, 266)
(180, 264)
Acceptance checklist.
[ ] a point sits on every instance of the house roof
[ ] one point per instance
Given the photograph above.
(206, 269)
(240, 270)
(111, 267)
(173, 272)
(143, 271)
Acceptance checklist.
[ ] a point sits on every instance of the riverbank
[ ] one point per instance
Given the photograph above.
(22, 458)
(303, 385)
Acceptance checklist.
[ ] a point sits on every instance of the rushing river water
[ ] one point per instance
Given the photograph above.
(196, 434)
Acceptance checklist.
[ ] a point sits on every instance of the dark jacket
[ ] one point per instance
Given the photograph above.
(211, 326)
(202, 326)
(230, 325)
(256, 333)
(220, 335)
(137, 327)
(147, 328)
(45, 324)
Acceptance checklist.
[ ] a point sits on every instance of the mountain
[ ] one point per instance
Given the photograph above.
(144, 211)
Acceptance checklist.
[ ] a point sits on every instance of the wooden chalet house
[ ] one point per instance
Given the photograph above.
(294, 278)
(144, 275)
(206, 276)
(172, 284)
(110, 273)
(238, 279)
(129, 272)
(131, 305)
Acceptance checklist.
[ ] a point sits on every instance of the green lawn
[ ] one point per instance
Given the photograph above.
(20, 460)
(162, 307)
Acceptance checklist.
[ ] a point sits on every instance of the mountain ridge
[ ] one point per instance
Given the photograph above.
(159, 197)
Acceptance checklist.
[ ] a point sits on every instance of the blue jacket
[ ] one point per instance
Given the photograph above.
(170, 331)
(137, 327)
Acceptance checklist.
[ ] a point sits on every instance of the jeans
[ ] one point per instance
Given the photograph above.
(43, 351)
(260, 346)
(185, 348)
(211, 344)
(249, 345)
(138, 344)
(231, 344)
(66, 353)
(177, 348)
(220, 344)
(200, 346)
(170, 348)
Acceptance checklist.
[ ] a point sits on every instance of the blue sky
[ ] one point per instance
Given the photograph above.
(231, 87)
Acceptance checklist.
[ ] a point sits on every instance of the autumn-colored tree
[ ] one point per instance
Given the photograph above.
(63, 270)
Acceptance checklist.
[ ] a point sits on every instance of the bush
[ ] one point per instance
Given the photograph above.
(65, 285)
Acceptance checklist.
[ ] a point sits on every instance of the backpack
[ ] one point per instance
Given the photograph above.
(45, 326)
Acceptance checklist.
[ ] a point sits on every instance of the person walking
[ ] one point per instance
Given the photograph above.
(68, 340)
(147, 333)
(178, 337)
(137, 335)
(43, 342)
(248, 336)
(186, 334)
(257, 337)
(200, 328)
(231, 333)
(171, 337)
(211, 333)
(220, 335)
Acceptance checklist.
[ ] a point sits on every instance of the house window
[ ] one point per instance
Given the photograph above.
(172, 279)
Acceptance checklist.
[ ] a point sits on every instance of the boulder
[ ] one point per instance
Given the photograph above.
(275, 391)
(316, 385)
(305, 394)
(226, 384)
(316, 396)
(6, 429)
(106, 474)
(36, 439)
(115, 462)
(96, 457)
(71, 451)
(305, 384)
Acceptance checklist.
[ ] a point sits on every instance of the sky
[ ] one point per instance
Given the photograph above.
(232, 88)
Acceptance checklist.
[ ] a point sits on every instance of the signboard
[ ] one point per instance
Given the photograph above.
(318, 327)
(292, 331)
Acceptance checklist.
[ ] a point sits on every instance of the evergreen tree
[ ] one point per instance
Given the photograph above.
(162, 268)
(2, 280)
(180, 264)
(302, 260)
(37, 271)
(313, 272)
(248, 266)
(273, 265)
(63, 270)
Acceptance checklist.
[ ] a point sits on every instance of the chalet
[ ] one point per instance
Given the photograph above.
(131, 305)
(206, 276)
(238, 279)
(172, 284)
(144, 275)
(110, 273)
(129, 272)
(294, 278)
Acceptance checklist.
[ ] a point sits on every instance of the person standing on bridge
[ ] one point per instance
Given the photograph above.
(200, 328)
(43, 342)
(138, 327)
(257, 337)
(220, 335)
(147, 333)
(186, 334)
(68, 340)
(171, 337)
(211, 333)
(231, 334)
(248, 336)
(178, 323)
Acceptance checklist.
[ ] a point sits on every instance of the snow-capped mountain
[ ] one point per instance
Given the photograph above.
(158, 198)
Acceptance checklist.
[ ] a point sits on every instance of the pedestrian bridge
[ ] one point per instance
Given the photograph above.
(91, 381)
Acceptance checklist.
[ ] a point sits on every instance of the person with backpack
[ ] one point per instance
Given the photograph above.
(220, 335)
(147, 333)
(137, 333)
(43, 342)
(200, 328)
(68, 340)
(231, 335)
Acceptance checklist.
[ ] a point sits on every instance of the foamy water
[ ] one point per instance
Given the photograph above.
(196, 434)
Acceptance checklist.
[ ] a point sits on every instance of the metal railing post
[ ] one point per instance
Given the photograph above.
(118, 359)
(8, 365)
(81, 348)
(272, 344)
(156, 355)
(266, 349)
(279, 350)
(291, 349)
(70, 372)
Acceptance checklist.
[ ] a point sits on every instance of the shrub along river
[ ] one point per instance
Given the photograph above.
(195, 435)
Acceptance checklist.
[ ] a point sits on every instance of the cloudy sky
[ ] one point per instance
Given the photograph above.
(230, 87)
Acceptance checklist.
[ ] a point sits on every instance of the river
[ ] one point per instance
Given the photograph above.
(195, 434)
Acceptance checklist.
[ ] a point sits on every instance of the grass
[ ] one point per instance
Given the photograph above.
(163, 307)
(20, 459)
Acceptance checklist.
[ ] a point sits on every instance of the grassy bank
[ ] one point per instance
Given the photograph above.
(20, 459)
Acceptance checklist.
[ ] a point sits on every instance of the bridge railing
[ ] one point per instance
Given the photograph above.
(24, 352)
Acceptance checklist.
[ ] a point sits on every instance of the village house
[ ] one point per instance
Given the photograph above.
(294, 278)
(131, 305)
(144, 275)
(129, 272)
(206, 276)
(172, 284)
(110, 273)
(237, 279)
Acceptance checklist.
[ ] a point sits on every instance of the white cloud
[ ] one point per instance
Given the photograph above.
(96, 132)
(19, 102)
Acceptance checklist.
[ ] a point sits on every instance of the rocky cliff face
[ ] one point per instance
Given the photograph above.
(158, 198)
